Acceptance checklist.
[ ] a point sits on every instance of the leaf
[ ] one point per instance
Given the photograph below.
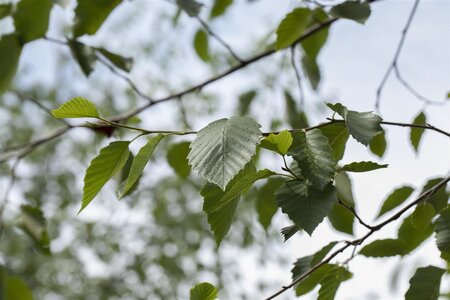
(5, 10)
(337, 135)
(361, 166)
(10, 50)
(338, 108)
(411, 236)
(439, 199)
(312, 71)
(422, 216)
(223, 148)
(442, 230)
(297, 119)
(313, 44)
(343, 186)
(425, 284)
(139, 163)
(84, 55)
(201, 45)
(415, 134)
(77, 107)
(177, 159)
(353, 10)
(219, 7)
(341, 219)
(266, 207)
(396, 198)
(311, 281)
(314, 156)
(203, 291)
(331, 282)
(245, 99)
(31, 19)
(291, 27)
(191, 7)
(378, 145)
(304, 204)
(289, 231)
(102, 168)
(123, 63)
(279, 143)
(33, 222)
(90, 15)
(363, 126)
(384, 248)
(13, 287)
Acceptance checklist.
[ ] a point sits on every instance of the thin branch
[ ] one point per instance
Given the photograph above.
(299, 79)
(7, 192)
(353, 211)
(359, 241)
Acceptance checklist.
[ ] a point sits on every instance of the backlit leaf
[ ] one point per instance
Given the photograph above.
(31, 19)
(340, 217)
(353, 10)
(384, 248)
(219, 7)
(337, 135)
(425, 284)
(361, 166)
(415, 134)
(77, 107)
(292, 26)
(279, 143)
(203, 291)
(396, 198)
(378, 145)
(201, 45)
(411, 236)
(13, 287)
(90, 15)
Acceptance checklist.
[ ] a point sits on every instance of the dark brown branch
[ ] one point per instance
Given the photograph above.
(353, 211)
(359, 241)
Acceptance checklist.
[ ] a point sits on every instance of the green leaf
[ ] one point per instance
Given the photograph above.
(279, 143)
(77, 107)
(203, 291)
(31, 19)
(338, 108)
(245, 99)
(201, 45)
(291, 27)
(340, 217)
(123, 63)
(313, 44)
(266, 207)
(297, 119)
(378, 145)
(361, 166)
(191, 7)
(312, 71)
(396, 198)
(415, 134)
(411, 236)
(90, 15)
(10, 50)
(12, 287)
(363, 126)
(331, 282)
(102, 168)
(223, 148)
(177, 159)
(33, 222)
(442, 230)
(314, 156)
(139, 163)
(353, 10)
(425, 284)
(343, 186)
(289, 231)
(84, 55)
(439, 199)
(422, 215)
(337, 135)
(219, 7)
(304, 204)
(6, 10)
(384, 248)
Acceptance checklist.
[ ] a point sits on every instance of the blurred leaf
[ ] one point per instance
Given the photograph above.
(411, 236)
(305, 205)
(33, 222)
(191, 7)
(422, 215)
(353, 10)
(442, 229)
(361, 166)
(123, 63)
(201, 45)
(378, 145)
(314, 43)
(245, 99)
(337, 135)
(90, 15)
(84, 55)
(297, 119)
(10, 50)
(177, 159)
(289, 231)
(291, 27)
(396, 198)
(219, 7)
(340, 217)
(279, 143)
(425, 284)
(312, 71)
(12, 287)
(266, 205)
(439, 199)
(331, 282)
(77, 107)
(139, 163)
(314, 156)
(223, 148)
(31, 19)
(338, 108)
(102, 168)
(384, 248)
(416, 133)
(6, 10)
(343, 186)
(203, 291)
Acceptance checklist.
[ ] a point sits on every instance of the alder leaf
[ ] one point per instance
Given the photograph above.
(177, 159)
(266, 205)
(425, 284)
(361, 166)
(279, 143)
(304, 204)
(314, 156)
(411, 236)
(340, 217)
(378, 145)
(289, 231)
(102, 168)
(139, 162)
(337, 135)
(77, 107)
(84, 55)
(31, 19)
(90, 15)
(203, 291)
(291, 27)
(223, 148)
(396, 198)
(442, 229)
(352, 10)
(363, 126)
(415, 134)
(384, 248)
(440, 198)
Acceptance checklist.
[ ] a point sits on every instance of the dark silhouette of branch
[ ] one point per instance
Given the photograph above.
(359, 241)
(353, 211)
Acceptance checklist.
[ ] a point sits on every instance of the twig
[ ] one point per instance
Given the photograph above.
(299, 79)
(353, 211)
(359, 241)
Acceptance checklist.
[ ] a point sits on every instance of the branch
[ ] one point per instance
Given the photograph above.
(353, 211)
(359, 241)
(299, 79)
